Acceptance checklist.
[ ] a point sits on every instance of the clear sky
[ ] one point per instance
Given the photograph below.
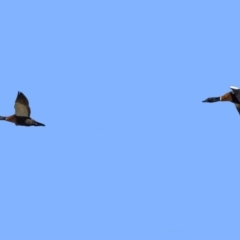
(129, 150)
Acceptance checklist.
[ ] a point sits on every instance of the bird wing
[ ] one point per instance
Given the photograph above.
(22, 106)
(236, 92)
(237, 107)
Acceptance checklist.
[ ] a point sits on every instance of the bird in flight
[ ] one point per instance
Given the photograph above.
(22, 113)
(233, 96)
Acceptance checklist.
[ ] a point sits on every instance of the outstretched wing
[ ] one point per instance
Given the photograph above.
(236, 92)
(21, 106)
(237, 107)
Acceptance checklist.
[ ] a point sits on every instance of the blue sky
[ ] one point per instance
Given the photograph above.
(129, 150)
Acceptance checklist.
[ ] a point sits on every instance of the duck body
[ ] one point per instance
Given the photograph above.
(22, 121)
(26, 121)
(22, 113)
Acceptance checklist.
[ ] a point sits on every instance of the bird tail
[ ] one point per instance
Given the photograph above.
(38, 124)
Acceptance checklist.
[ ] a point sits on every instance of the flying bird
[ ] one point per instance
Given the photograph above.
(22, 113)
(233, 96)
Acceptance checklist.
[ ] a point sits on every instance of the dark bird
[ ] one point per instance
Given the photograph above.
(22, 113)
(233, 96)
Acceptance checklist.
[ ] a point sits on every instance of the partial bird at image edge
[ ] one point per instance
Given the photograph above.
(233, 96)
(22, 113)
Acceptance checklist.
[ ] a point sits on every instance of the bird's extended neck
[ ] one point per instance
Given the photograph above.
(2, 118)
(229, 97)
(213, 99)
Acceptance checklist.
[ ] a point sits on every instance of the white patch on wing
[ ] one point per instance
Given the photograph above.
(21, 110)
(234, 88)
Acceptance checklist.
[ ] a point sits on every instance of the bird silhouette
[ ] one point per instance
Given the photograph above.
(22, 113)
(233, 97)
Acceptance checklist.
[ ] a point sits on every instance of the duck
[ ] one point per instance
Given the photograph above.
(232, 96)
(22, 113)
